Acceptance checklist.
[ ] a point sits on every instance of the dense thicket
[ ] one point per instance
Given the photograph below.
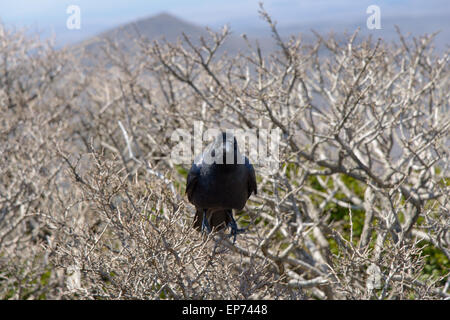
(92, 205)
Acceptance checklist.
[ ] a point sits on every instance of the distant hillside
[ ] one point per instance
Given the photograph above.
(414, 26)
(170, 28)
(162, 25)
(165, 27)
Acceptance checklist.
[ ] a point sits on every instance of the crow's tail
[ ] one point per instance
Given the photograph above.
(218, 219)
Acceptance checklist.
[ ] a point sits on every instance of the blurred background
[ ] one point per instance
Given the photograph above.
(49, 17)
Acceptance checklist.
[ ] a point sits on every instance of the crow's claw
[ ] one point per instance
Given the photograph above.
(233, 226)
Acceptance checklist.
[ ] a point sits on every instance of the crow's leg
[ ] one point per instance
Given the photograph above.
(234, 229)
(205, 223)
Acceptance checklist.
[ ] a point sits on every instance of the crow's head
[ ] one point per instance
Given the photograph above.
(225, 150)
(230, 148)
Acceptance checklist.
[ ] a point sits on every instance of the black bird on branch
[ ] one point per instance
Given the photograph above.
(220, 180)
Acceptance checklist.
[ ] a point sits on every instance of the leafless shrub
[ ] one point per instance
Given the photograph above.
(92, 205)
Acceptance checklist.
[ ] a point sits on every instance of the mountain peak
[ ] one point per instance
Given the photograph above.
(153, 27)
(163, 15)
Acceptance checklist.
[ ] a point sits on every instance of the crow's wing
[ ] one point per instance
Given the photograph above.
(251, 178)
(192, 179)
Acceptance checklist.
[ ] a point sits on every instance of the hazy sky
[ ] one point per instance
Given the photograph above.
(99, 15)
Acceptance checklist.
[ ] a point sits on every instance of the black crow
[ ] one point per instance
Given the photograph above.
(220, 180)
